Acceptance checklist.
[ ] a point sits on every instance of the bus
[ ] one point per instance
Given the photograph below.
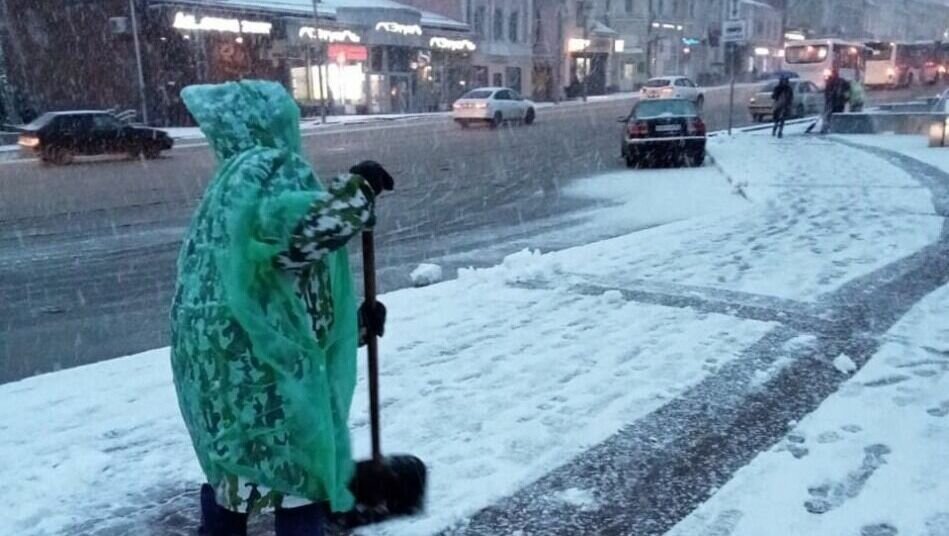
(814, 59)
(892, 64)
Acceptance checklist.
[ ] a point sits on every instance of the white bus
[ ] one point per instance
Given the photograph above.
(902, 64)
(815, 59)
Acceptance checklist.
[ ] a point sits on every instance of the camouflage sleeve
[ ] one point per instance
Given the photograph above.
(344, 210)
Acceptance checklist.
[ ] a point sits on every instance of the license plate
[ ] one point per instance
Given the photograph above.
(668, 128)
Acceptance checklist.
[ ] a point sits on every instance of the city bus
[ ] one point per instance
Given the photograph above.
(814, 59)
(902, 64)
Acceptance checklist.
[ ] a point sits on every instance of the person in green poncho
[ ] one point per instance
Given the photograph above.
(264, 323)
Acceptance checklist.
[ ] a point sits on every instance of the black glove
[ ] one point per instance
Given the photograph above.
(377, 177)
(372, 322)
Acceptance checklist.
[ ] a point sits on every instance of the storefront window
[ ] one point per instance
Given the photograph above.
(497, 80)
(376, 59)
(400, 59)
(479, 76)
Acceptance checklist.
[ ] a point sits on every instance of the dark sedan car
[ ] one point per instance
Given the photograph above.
(56, 137)
(666, 130)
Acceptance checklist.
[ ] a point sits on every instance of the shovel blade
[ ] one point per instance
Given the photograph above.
(393, 488)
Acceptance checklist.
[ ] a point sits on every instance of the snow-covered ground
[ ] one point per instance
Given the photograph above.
(873, 460)
(499, 376)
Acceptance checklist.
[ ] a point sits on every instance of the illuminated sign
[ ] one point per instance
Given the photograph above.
(395, 27)
(342, 53)
(452, 44)
(183, 21)
(762, 51)
(619, 45)
(329, 36)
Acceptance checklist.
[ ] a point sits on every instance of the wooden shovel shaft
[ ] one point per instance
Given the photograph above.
(372, 345)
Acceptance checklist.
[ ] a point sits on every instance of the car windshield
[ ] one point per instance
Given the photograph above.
(664, 108)
(658, 82)
(478, 94)
(879, 51)
(805, 54)
(619, 293)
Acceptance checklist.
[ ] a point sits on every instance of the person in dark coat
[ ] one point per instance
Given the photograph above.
(836, 95)
(782, 100)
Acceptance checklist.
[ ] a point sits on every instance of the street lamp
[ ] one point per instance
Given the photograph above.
(138, 61)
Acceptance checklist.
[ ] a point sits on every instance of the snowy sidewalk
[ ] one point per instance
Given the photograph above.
(608, 385)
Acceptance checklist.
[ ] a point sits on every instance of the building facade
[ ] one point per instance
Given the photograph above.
(349, 57)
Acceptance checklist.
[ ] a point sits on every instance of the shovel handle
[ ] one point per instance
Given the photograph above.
(372, 344)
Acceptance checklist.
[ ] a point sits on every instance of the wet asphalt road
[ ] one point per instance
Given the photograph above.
(87, 251)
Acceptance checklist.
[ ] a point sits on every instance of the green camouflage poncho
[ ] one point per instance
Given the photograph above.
(264, 330)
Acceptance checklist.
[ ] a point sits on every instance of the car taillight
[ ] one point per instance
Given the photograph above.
(696, 127)
(637, 129)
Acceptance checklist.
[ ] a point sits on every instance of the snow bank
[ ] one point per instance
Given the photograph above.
(426, 274)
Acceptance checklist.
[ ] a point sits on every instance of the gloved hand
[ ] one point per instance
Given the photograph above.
(377, 177)
(372, 322)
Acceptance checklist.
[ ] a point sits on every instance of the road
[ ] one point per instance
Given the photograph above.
(87, 251)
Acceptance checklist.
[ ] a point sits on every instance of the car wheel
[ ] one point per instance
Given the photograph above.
(529, 117)
(58, 155)
(697, 159)
(151, 152)
(497, 120)
(700, 102)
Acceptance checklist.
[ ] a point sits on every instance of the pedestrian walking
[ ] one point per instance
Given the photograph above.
(264, 322)
(782, 100)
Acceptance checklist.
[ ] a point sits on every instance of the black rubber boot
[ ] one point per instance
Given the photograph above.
(217, 520)
(306, 520)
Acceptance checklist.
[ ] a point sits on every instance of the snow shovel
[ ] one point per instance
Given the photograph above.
(384, 486)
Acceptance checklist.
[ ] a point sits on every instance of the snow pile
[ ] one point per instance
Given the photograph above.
(522, 267)
(844, 364)
(871, 460)
(426, 274)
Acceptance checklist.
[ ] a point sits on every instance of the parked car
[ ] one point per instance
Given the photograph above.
(493, 105)
(56, 137)
(673, 87)
(808, 100)
(664, 130)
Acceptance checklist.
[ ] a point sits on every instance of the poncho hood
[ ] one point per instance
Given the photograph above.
(237, 116)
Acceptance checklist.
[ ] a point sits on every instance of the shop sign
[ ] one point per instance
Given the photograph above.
(399, 28)
(184, 21)
(342, 53)
(452, 44)
(329, 36)
(577, 45)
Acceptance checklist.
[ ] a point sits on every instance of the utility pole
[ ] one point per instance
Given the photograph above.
(320, 54)
(138, 61)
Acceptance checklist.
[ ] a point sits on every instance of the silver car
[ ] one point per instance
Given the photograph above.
(808, 100)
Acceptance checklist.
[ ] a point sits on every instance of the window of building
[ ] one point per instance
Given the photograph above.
(629, 6)
(676, 5)
(513, 32)
(498, 25)
(497, 79)
(468, 12)
(479, 76)
(661, 8)
(513, 75)
(479, 21)
(691, 8)
(538, 26)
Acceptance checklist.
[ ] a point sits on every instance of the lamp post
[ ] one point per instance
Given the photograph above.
(138, 61)
(319, 62)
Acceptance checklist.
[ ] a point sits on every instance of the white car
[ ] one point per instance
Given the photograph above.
(673, 87)
(493, 105)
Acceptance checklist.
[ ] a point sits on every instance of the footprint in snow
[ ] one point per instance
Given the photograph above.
(830, 495)
(939, 411)
(879, 529)
(828, 437)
